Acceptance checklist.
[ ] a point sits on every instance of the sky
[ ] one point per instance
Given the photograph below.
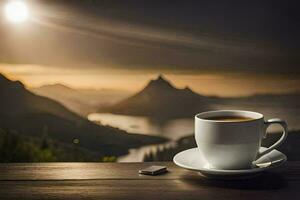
(215, 47)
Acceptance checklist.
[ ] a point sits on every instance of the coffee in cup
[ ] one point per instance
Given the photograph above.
(230, 118)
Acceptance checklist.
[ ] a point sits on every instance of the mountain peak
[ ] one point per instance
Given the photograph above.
(4, 81)
(56, 86)
(161, 77)
(160, 82)
(187, 88)
(158, 99)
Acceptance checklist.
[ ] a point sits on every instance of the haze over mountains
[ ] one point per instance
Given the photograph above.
(81, 101)
(28, 114)
(160, 99)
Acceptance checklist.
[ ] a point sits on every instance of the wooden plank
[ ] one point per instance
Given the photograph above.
(147, 189)
(121, 181)
(77, 171)
(93, 171)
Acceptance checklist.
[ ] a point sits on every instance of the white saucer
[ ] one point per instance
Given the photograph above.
(192, 159)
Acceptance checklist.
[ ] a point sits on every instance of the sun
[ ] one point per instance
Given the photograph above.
(16, 11)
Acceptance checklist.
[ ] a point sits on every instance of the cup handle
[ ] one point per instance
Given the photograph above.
(268, 123)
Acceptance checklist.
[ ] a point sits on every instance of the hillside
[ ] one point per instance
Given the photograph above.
(15, 147)
(160, 99)
(28, 114)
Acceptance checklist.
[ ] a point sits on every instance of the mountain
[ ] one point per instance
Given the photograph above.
(160, 99)
(80, 101)
(17, 100)
(25, 113)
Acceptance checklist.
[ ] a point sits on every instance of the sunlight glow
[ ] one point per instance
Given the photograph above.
(16, 11)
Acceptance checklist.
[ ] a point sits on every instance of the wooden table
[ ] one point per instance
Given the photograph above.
(122, 181)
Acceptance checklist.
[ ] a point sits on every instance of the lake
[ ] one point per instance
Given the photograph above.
(171, 129)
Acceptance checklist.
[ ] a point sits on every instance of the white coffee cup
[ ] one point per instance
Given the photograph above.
(233, 144)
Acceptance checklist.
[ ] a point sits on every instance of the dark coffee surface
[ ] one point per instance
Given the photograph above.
(230, 118)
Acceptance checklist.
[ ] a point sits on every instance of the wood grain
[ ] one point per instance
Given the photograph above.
(121, 181)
